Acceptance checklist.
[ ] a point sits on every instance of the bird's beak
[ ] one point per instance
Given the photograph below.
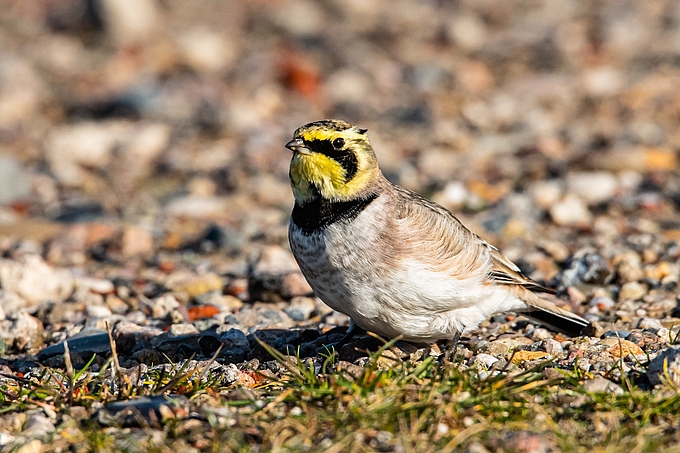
(297, 146)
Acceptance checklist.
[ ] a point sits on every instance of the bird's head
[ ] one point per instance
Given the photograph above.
(332, 159)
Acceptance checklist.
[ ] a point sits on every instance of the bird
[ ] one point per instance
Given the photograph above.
(397, 264)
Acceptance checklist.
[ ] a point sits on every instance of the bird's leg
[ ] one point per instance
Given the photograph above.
(451, 348)
(352, 332)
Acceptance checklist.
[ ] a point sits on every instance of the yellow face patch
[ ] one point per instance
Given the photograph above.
(309, 171)
(322, 171)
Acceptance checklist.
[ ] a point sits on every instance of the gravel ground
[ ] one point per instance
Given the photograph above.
(144, 190)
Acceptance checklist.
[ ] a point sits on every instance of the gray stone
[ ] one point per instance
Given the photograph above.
(602, 385)
(300, 308)
(665, 367)
(14, 180)
(486, 360)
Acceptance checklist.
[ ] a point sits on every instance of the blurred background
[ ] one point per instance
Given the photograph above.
(132, 126)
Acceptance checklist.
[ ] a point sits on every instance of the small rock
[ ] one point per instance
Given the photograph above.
(616, 334)
(586, 267)
(628, 266)
(570, 211)
(32, 446)
(487, 360)
(593, 187)
(126, 413)
(502, 346)
(521, 356)
(98, 311)
(295, 284)
(665, 366)
(71, 149)
(37, 424)
(632, 291)
(602, 303)
(236, 338)
(14, 180)
(546, 193)
(198, 207)
(137, 241)
(205, 50)
(226, 303)
(552, 347)
(602, 385)
(22, 332)
(649, 323)
(34, 280)
(196, 285)
(95, 285)
(130, 21)
(128, 335)
(453, 196)
(182, 329)
(300, 308)
(6, 438)
(164, 305)
(116, 304)
(621, 348)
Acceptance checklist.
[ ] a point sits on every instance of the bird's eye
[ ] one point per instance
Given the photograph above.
(338, 143)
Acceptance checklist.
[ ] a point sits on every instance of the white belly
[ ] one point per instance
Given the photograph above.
(351, 270)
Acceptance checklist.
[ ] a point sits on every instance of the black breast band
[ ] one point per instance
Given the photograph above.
(321, 213)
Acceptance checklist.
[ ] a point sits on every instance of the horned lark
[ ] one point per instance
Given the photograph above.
(394, 262)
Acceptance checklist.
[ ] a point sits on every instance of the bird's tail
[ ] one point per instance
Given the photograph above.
(553, 317)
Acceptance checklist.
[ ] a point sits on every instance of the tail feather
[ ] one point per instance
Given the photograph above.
(554, 317)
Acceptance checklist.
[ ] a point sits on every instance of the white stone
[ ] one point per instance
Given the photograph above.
(34, 280)
(96, 285)
(89, 144)
(130, 21)
(205, 50)
(593, 187)
(487, 360)
(546, 193)
(98, 311)
(453, 196)
(571, 210)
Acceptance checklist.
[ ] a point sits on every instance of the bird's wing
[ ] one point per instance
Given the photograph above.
(506, 272)
(439, 237)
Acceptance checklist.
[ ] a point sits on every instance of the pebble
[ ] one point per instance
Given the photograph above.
(570, 211)
(300, 308)
(226, 303)
(649, 323)
(137, 241)
(552, 347)
(34, 280)
(22, 332)
(602, 385)
(32, 446)
(129, 334)
(15, 183)
(593, 187)
(131, 21)
(182, 329)
(632, 291)
(98, 311)
(486, 360)
(95, 285)
(664, 367)
(37, 425)
(163, 306)
(194, 285)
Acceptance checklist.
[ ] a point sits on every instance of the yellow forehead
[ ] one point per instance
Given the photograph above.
(309, 135)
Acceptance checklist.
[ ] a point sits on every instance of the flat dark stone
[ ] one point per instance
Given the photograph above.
(81, 347)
